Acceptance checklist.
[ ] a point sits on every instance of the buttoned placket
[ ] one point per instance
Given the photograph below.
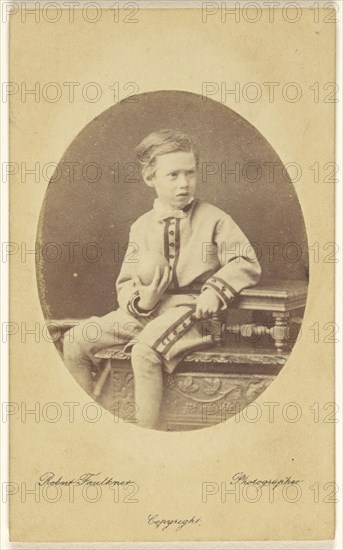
(171, 243)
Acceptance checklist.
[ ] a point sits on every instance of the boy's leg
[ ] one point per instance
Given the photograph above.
(147, 368)
(162, 343)
(92, 335)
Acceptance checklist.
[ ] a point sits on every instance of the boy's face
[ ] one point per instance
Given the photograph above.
(175, 178)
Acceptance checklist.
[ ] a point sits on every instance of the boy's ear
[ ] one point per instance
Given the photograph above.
(149, 180)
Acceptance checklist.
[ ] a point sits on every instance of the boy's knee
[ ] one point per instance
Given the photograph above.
(139, 352)
(74, 342)
(142, 354)
(87, 332)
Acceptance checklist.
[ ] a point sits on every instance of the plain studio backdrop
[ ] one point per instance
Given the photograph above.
(97, 192)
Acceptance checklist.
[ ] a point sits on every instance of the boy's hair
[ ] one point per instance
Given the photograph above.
(161, 143)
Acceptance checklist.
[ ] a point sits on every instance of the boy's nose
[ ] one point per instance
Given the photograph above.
(183, 181)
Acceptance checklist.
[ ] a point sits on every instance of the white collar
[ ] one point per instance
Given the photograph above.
(163, 212)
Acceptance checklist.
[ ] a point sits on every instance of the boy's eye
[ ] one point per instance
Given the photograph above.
(173, 174)
(190, 173)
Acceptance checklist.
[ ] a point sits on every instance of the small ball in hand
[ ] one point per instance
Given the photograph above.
(147, 264)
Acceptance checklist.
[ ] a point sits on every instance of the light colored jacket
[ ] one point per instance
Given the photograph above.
(204, 249)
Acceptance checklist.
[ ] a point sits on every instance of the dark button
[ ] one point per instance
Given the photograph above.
(171, 244)
(171, 232)
(171, 256)
(170, 267)
(223, 288)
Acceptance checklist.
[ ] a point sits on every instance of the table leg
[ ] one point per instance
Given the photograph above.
(280, 331)
(218, 333)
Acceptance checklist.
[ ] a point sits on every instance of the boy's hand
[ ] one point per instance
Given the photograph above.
(149, 295)
(207, 303)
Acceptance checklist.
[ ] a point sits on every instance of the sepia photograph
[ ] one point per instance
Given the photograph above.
(174, 264)
(170, 274)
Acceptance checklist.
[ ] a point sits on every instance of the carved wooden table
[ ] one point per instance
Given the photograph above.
(211, 385)
(281, 299)
(208, 387)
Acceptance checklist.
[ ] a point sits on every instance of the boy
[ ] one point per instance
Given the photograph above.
(202, 246)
